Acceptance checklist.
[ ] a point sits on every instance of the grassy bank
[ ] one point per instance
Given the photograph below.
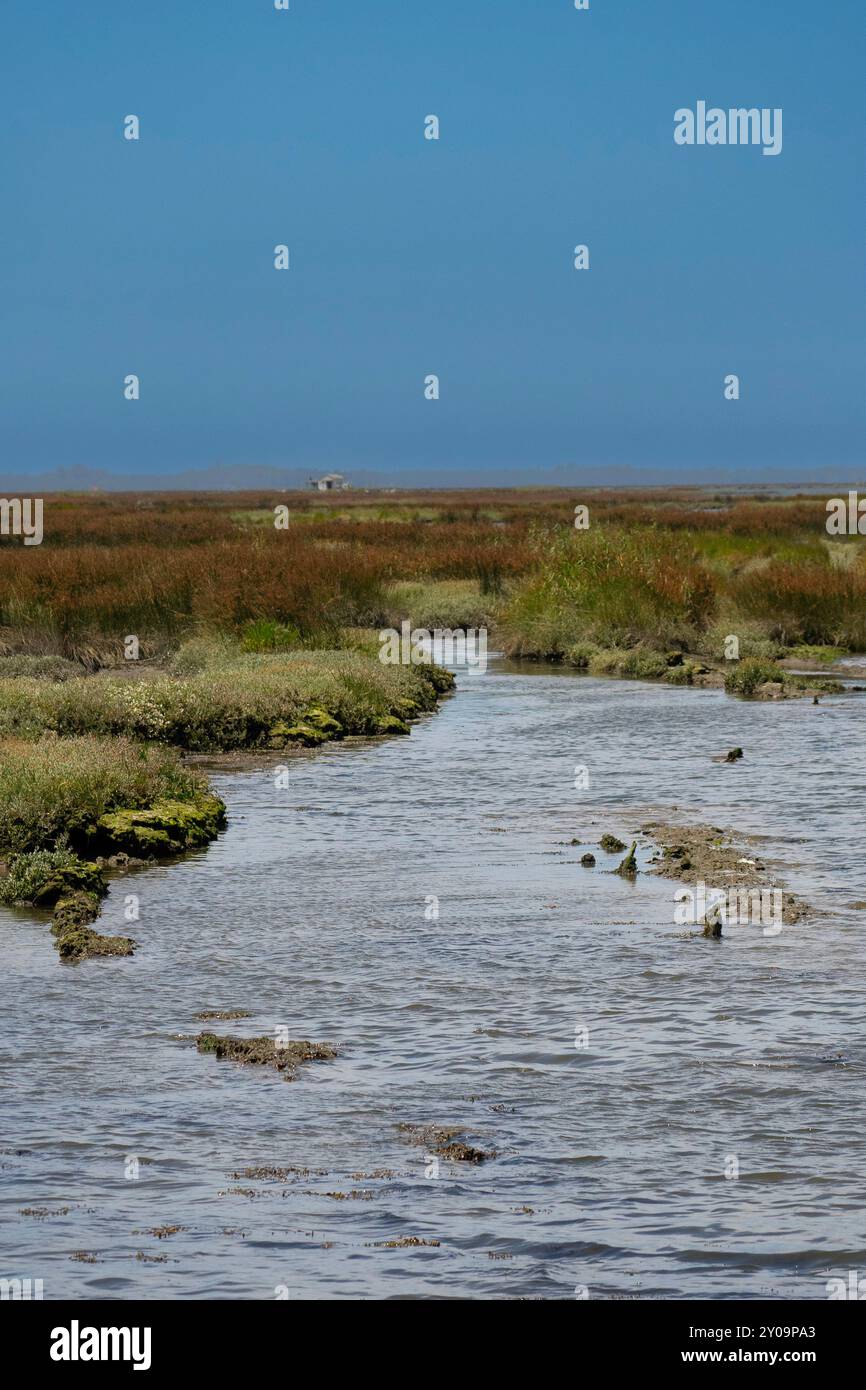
(688, 608)
(227, 700)
(101, 796)
(68, 803)
(87, 773)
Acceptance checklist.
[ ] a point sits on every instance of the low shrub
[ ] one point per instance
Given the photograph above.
(745, 678)
(43, 876)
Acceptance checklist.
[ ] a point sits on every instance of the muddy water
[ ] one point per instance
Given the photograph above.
(611, 1159)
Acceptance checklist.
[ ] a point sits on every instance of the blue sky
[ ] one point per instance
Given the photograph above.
(411, 257)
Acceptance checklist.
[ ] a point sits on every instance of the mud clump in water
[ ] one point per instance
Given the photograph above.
(268, 1173)
(225, 1015)
(265, 1052)
(440, 1141)
(611, 845)
(405, 1243)
(75, 939)
(707, 854)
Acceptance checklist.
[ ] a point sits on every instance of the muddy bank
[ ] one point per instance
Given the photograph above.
(712, 860)
(720, 859)
(167, 828)
(73, 936)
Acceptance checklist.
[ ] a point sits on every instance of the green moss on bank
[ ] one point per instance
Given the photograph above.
(75, 939)
(168, 827)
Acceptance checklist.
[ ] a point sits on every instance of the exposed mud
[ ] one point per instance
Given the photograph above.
(257, 1052)
(75, 939)
(441, 1141)
(226, 1015)
(405, 1243)
(269, 1173)
(719, 858)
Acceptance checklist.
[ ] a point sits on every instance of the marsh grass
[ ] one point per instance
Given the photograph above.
(228, 701)
(444, 603)
(610, 588)
(28, 873)
(751, 673)
(53, 789)
(657, 568)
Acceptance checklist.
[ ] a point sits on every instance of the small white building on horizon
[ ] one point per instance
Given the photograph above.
(331, 482)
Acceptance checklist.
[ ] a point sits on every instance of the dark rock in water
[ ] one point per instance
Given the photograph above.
(734, 755)
(628, 867)
(611, 845)
(588, 861)
(713, 922)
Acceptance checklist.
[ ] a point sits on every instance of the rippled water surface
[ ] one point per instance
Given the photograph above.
(611, 1160)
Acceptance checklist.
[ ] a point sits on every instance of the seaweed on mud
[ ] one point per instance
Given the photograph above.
(708, 854)
(166, 828)
(225, 1015)
(611, 845)
(75, 939)
(405, 1243)
(263, 1051)
(440, 1140)
(269, 1173)
(628, 867)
